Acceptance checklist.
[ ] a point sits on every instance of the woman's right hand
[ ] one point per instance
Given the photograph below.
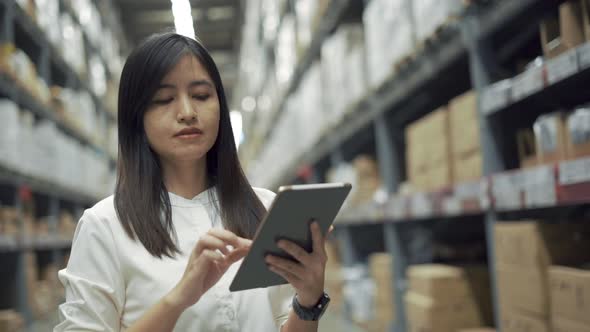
(208, 261)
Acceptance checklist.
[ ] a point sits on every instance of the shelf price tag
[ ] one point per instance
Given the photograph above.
(507, 190)
(496, 96)
(421, 206)
(452, 206)
(528, 83)
(396, 208)
(540, 188)
(574, 171)
(7, 243)
(562, 67)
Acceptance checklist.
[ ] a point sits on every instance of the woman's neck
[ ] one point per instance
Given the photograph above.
(185, 179)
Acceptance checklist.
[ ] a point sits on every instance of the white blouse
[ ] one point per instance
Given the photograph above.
(111, 280)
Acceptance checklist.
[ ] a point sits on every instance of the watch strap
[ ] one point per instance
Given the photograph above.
(314, 313)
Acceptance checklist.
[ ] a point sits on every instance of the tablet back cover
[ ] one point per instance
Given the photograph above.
(288, 218)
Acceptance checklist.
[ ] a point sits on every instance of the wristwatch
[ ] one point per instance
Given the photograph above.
(314, 313)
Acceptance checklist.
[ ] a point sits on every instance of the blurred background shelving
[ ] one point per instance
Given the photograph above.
(464, 127)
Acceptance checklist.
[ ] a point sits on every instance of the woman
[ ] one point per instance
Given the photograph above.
(160, 254)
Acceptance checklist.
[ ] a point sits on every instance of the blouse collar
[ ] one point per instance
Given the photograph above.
(206, 197)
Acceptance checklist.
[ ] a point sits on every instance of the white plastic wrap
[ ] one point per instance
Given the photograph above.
(73, 52)
(388, 35)
(431, 14)
(335, 51)
(286, 58)
(49, 20)
(9, 134)
(305, 11)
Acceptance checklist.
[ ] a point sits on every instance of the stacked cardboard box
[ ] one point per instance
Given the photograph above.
(524, 251)
(465, 143)
(550, 138)
(9, 225)
(446, 298)
(334, 281)
(578, 133)
(381, 269)
(11, 321)
(564, 31)
(586, 18)
(18, 65)
(570, 298)
(428, 153)
(367, 181)
(43, 294)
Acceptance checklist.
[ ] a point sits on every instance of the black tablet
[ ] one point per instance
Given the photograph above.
(288, 218)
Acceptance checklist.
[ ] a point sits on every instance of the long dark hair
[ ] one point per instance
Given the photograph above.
(141, 198)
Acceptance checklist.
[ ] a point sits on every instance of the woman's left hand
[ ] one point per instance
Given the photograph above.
(308, 273)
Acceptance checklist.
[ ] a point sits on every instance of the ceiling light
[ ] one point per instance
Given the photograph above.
(183, 20)
(248, 104)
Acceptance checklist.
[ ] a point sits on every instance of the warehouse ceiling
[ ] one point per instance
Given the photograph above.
(217, 24)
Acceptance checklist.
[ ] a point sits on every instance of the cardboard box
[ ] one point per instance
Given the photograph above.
(524, 289)
(464, 125)
(540, 244)
(478, 329)
(426, 314)
(550, 138)
(437, 281)
(447, 284)
(381, 270)
(437, 136)
(428, 153)
(368, 180)
(571, 23)
(468, 168)
(586, 18)
(428, 136)
(513, 321)
(563, 32)
(564, 325)
(570, 293)
(11, 321)
(527, 148)
(578, 133)
(438, 177)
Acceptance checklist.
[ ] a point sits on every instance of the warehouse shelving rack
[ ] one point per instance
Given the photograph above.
(18, 28)
(465, 55)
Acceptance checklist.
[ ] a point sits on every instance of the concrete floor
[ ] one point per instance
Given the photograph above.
(331, 322)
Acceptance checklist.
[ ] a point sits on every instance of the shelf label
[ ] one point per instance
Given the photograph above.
(509, 200)
(468, 190)
(452, 206)
(562, 67)
(421, 206)
(574, 171)
(528, 83)
(496, 96)
(540, 187)
(396, 208)
(7, 243)
(507, 190)
(584, 56)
